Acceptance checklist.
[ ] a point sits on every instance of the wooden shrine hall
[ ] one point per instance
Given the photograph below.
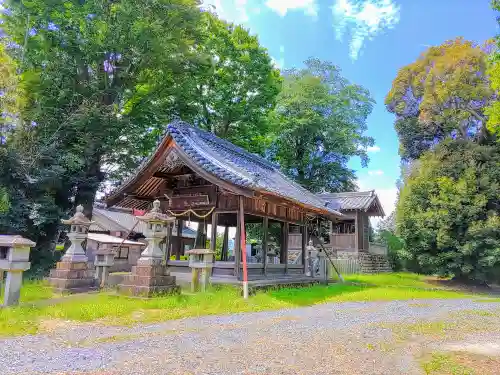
(200, 177)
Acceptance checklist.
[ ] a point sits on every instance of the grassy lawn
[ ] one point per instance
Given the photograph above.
(112, 309)
(33, 291)
(399, 279)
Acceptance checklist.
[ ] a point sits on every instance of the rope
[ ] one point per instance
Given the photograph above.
(193, 212)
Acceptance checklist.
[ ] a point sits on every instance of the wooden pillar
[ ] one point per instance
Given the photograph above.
(237, 247)
(286, 237)
(265, 228)
(225, 243)
(168, 242)
(178, 240)
(213, 234)
(356, 229)
(304, 245)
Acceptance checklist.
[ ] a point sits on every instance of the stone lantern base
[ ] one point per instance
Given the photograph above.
(148, 278)
(72, 277)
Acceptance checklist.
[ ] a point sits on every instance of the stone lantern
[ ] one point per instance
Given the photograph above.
(104, 260)
(200, 261)
(72, 273)
(14, 258)
(151, 276)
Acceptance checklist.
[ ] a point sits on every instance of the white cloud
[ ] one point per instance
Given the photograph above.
(278, 63)
(377, 172)
(282, 48)
(373, 149)
(282, 7)
(229, 10)
(386, 196)
(363, 20)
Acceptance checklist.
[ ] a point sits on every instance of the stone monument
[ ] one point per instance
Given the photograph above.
(72, 273)
(14, 258)
(150, 276)
(201, 262)
(311, 259)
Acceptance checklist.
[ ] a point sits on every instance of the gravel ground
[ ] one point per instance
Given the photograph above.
(323, 339)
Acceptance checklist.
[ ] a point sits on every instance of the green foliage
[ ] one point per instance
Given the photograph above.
(445, 92)
(319, 123)
(448, 212)
(182, 257)
(493, 111)
(395, 250)
(233, 87)
(89, 86)
(4, 200)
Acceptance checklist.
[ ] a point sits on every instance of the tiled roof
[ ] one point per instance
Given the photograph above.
(124, 219)
(357, 200)
(239, 167)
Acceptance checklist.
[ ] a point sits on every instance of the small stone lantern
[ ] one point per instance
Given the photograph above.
(72, 273)
(200, 261)
(104, 260)
(78, 231)
(14, 258)
(156, 230)
(151, 276)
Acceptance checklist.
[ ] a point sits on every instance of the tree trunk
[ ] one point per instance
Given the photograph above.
(87, 187)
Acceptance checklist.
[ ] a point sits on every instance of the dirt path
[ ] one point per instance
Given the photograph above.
(347, 338)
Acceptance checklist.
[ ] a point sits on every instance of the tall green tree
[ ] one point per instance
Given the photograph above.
(96, 83)
(319, 122)
(448, 214)
(444, 93)
(79, 65)
(493, 111)
(231, 87)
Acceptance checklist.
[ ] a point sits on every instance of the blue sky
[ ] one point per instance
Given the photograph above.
(369, 40)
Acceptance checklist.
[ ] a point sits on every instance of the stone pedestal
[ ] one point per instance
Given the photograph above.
(148, 280)
(14, 259)
(322, 271)
(72, 277)
(201, 263)
(150, 276)
(104, 260)
(72, 273)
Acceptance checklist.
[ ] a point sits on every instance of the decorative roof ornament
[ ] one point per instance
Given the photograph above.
(78, 218)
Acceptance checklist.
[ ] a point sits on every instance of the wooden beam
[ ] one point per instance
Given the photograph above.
(145, 198)
(185, 176)
(265, 229)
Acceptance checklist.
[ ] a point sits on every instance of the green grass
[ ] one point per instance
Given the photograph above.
(112, 309)
(400, 279)
(445, 364)
(351, 293)
(33, 290)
